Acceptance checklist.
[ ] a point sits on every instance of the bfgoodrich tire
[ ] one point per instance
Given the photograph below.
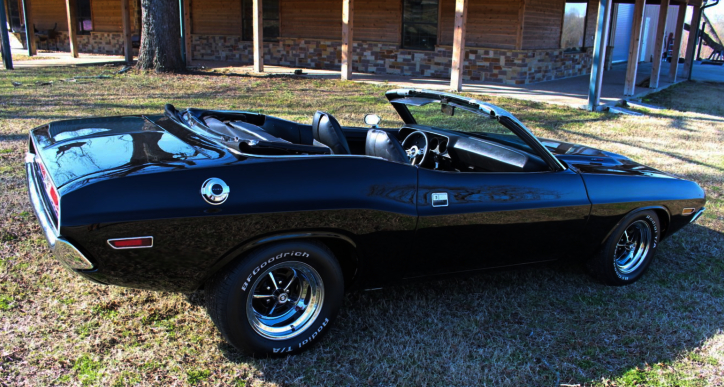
(629, 250)
(280, 299)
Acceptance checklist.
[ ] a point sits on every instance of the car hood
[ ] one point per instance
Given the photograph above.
(113, 146)
(589, 160)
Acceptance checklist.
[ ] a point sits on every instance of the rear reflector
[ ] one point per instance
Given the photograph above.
(131, 243)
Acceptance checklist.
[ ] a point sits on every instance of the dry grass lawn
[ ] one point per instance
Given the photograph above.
(542, 326)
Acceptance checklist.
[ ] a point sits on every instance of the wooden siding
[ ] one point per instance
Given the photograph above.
(107, 15)
(48, 12)
(543, 22)
(591, 21)
(320, 19)
(219, 17)
(378, 21)
(490, 23)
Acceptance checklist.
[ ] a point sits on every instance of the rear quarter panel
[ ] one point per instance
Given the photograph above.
(369, 200)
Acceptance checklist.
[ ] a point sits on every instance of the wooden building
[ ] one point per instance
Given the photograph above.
(504, 41)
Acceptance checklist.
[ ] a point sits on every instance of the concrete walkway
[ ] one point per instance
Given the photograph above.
(570, 91)
(51, 59)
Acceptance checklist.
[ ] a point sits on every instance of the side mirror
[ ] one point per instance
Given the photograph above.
(372, 120)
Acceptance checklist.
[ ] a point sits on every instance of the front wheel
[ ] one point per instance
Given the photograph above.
(628, 251)
(279, 299)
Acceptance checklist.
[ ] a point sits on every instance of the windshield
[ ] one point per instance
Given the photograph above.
(464, 119)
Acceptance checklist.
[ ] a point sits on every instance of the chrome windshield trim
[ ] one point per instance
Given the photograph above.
(479, 107)
(63, 250)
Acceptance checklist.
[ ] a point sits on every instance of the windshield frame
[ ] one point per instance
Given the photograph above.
(400, 98)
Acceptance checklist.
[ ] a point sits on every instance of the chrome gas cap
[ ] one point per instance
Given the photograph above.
(215, 191)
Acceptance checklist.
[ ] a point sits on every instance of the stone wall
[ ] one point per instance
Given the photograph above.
(481, 64)
(108, 43)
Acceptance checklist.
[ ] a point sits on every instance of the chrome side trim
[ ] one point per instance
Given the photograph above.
(697, 215)
(133, 247)
(63, 250)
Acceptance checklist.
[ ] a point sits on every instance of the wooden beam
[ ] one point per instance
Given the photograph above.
(187, 31)
(126, 16)
(678, 36)
(691, 42)
(72, 12)
(600, 42)
(30, 42)
(521, 24)
(611, 36)
(659, 44)
(258, 37)
(634, 48)
(458, 56)
(347, 37)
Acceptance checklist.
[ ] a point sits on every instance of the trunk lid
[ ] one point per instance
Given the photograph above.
(74, 149)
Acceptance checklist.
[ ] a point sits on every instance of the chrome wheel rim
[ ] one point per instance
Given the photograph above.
(633, 247)
(285, 300)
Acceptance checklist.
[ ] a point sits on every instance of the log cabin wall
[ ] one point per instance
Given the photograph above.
(491, 23)
(543, 23)
(310, 33)
(106, 37)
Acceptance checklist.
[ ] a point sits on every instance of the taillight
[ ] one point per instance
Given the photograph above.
(50, 189)
(131, 243)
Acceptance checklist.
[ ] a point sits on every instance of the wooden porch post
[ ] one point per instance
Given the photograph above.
(187, 31)
(691, 43)
(659, 43)
(678, 35)
(521, 26)
(72, 11)
(258, 37)
(634, 48)
(461, 13)
(29, 29)
(347, 38)
(126, 16)
(599, 53)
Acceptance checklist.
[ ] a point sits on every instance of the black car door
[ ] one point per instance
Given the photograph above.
(471, 221)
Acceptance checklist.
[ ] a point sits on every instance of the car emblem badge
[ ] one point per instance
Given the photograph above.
(215, 191)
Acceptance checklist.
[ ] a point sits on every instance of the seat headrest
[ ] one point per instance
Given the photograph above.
(328, 131)
(380, 144)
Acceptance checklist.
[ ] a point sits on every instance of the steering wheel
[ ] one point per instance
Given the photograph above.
(416, 147)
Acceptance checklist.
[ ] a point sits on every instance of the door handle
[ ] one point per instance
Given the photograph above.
(439, 199)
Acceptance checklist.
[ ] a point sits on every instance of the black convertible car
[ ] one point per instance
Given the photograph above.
(276, 219)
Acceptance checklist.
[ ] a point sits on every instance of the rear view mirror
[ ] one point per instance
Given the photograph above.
(372, 120)
(447, 109)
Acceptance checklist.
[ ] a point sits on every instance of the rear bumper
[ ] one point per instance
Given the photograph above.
(63, 250)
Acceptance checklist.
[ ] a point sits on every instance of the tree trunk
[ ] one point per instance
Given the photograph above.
(160, 37)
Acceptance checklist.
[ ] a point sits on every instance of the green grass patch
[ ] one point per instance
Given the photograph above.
(194, 377)
(87, 370)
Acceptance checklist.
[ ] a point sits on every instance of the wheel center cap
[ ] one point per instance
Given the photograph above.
(283, 298)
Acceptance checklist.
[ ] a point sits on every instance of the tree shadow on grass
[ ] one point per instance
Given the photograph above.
(534, 326)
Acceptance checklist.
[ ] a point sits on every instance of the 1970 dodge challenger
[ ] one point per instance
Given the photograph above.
(276, 219)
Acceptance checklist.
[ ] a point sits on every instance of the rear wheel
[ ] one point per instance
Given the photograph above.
(628, 251)
(279, 299)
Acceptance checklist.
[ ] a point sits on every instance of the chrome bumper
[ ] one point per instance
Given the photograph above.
(63, 250)
(697, 215)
